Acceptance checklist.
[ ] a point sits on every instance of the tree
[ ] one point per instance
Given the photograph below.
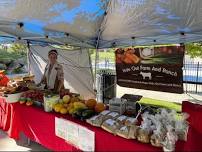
(194, 49)
(18, 48)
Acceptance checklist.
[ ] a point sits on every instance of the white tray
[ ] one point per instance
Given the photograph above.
(12, 98)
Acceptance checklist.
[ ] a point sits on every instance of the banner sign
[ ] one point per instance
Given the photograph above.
(157, 68)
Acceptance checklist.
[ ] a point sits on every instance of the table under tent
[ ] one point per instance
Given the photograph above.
(82, 25)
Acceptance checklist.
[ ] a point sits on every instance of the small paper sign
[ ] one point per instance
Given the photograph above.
(75, 134)
(60, 127)
(86, 139)
(72, 133)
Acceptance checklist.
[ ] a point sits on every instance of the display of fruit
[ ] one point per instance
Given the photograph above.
(87, 113)
(35, 95)
(71, 111)
(91, 103)
(66, 99)
(60, 101)
(79, 105)
(29, 103)
(100, 107)
(22, 100)
(78, 113)
(64, 92)
(65, 105)
(57, 107)
(63, 110)
(74, 99)
(80, 97)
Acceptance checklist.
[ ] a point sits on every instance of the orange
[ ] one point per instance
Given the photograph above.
(100, 107)
(91, 103)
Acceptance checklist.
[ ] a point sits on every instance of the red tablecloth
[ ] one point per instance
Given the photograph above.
(39, 126)
(9, 118)
(194, 142)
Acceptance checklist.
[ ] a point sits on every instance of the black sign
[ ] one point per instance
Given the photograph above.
(158, 68)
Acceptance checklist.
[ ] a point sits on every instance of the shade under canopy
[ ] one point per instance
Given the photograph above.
(120, 22)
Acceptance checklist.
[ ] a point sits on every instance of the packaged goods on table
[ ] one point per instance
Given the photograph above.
(111, 126)
(95, 120)
(98, 119)
(112, 115)
(117, 105)
(121, 119)
(128, 130)
(123, 131)
(130, 121)
(181, 127)
(131, 105)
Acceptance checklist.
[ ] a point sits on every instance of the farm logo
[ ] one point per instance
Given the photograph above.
(158, 68)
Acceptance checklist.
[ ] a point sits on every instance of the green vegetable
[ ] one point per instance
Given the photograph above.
(87, 113)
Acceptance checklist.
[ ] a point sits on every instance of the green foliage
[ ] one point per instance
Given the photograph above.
(18, 48)
(91, 51)
(104, 55)
(8, 56)
(194, 49)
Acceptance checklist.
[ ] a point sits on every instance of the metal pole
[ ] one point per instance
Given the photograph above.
(28, 53)
(197, 77)
(96, 61)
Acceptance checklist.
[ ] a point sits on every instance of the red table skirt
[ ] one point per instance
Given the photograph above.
(39, 126)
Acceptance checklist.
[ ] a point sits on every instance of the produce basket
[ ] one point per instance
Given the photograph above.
(12, 98)
(49, 102)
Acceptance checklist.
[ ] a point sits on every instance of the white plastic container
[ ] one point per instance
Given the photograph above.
(12, 98)
(117, 105)
(49, 102)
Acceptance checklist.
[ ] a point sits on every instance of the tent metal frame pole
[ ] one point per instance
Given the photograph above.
(96, 60)
(97, 46)
(28, 53)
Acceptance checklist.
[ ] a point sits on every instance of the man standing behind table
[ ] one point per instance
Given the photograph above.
(53, 76)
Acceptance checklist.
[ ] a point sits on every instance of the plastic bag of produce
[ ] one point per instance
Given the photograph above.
(111, 126)
(49, 102)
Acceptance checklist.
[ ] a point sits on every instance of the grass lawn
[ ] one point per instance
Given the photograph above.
(161, 103)
(104, 55)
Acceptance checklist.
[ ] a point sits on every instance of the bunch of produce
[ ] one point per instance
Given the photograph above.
(50, 101)
(29, 96)
(78, 108)
(35, 95)
(13, 87)
(64, 92)
(27, 101)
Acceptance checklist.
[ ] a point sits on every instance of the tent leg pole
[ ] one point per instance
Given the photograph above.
(96, 61)
(28, 52)
(96, 64)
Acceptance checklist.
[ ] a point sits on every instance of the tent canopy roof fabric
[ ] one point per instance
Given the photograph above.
(111, 23)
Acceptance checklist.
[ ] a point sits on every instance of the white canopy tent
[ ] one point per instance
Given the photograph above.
(96, 24)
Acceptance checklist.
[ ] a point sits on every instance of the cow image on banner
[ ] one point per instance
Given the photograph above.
(151, 68)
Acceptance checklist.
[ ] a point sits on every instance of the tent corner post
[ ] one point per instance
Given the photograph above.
(28, 53)
(96, 61)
